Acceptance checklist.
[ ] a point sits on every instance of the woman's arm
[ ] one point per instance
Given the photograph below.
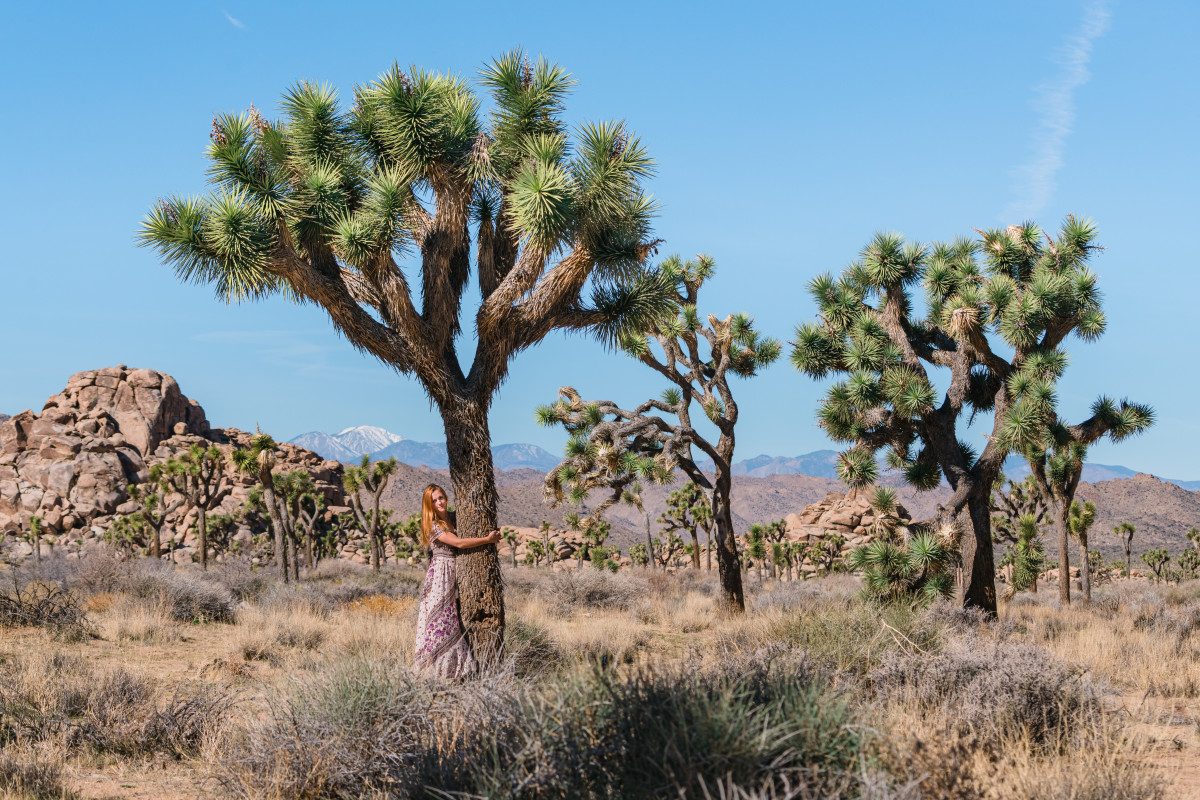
(467, 542)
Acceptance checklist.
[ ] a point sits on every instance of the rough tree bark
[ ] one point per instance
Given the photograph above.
(480, 585)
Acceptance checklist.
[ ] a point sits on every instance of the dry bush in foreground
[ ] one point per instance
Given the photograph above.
(362, 727)
(26, 774)
(32, 603)
(60, 699)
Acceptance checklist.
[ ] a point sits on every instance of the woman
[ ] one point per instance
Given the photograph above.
(442, 649)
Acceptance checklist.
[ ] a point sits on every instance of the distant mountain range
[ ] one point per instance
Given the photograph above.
(353, 443)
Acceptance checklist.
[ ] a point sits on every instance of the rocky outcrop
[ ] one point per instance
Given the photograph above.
(71, 463)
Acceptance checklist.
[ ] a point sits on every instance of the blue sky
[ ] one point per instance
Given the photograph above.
(785, 134)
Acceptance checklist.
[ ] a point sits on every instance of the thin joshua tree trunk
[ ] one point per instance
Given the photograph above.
(480, 585)
(1064, 558)
(1085, 570)
(202, 528)
(653, 557)
(732, 598)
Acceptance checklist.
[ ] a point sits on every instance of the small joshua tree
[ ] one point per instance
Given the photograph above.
(128, 533)
(1125, 531)
(34, 537)
(1056, 452)
(1009, 507)
(757, 549)
(535, 552)
(698, 359)
(258, 460)
(665, 550)
(1193, 536)
(998, 310)
(1027, 557)
(198, 475)
(1157, 560)
(1189, 563)
(544, 532)
(688, 511)
(917, 571)
(509, 535)
(157, 503)
(369, 479)
(824, 551)
(1082, 517)
(639, 555)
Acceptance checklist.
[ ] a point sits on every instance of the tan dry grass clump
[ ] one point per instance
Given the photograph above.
(271, 635)
(1140, 644)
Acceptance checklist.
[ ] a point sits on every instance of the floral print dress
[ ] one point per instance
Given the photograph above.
(442, 649)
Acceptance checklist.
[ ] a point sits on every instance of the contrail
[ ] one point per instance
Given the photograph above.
(1055, 102)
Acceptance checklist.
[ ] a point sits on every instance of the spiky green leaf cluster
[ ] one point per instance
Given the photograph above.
(919, 571)
(1014, 290)
(343, 183)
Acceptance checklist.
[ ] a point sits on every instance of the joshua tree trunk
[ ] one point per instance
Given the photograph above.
(480, 586)
(695, 550)
(202, 530)
(731, 598)
(269, 500)
(1128, 559)
(708, 547)
(1085, 569)
(979, 570)
(1061, 513)
(653, 559)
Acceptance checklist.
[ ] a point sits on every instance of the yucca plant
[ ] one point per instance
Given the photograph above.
(364, 485)
(1125, 531)
(198, 476)
(1027, 556)
(1056, 455)
(997, 310)
(689, 510)
(1010, 504)
(918, 571)
(1080, 519)
(258, 460)
(698, 357)
(1157, 559)
(413, 181)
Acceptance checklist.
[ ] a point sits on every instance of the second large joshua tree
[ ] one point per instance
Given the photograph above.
(611, 446)
(348, 207)
(998, 310)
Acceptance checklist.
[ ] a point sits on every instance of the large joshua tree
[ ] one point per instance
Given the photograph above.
(348, 207)
(698, 359)
(997, 312)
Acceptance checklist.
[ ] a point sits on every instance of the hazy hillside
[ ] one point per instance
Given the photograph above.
(1162, 511)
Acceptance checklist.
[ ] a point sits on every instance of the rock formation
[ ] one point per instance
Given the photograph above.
(70, 464)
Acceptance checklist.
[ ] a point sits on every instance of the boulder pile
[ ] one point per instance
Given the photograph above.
(70, 464)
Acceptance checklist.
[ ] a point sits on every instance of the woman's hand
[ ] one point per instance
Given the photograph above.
(493, 537)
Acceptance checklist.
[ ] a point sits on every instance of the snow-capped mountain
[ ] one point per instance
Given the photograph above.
(366, 439)
(353, 443)
(350, 444)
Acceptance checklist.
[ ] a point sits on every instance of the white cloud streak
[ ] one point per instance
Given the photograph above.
(234, 21)
(1055, 102)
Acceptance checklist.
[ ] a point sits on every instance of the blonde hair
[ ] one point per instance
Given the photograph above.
(430, 515)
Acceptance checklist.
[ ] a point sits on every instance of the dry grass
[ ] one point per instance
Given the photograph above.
(931, 703)
(1133, 640)
(128, 620)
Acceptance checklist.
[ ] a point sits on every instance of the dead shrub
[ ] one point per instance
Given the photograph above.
(62, 699)
(992, 689)
(27, 775)
(26, 603)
